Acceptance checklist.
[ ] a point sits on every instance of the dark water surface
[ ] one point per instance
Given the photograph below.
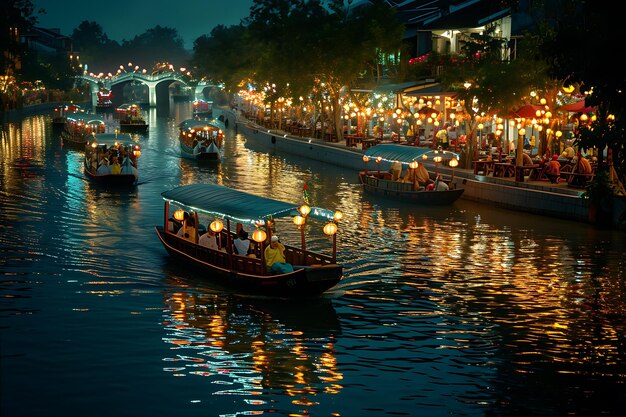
(465, 310)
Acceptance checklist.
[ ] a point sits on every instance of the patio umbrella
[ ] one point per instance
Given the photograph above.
(528, 111)
(578, 107)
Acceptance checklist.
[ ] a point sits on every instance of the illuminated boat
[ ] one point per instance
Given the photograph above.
(201, 139)
(202, 107)
(59, 118)
(131, 119)
(313, 273)
(79, 127)
(417, 186)
(104, 100)
(102, 149)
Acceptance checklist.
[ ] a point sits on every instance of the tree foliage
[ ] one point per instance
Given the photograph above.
(583, 50)
(16, 17)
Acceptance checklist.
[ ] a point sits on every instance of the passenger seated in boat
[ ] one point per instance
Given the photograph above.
(104, 168)
(188, 231)
(437, 185)
(208, 240)
(423, 177)
(395, 170)
(242, 243)
(115, 166)
(275, 257)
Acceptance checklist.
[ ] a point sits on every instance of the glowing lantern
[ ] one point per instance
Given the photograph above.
(330, 228)
(216, 226)
(179, 215)
(558, 133)
(304, 210)
(522, 132)
(424, 157)
(298, 220)
(454, 162)
(94, 145)
(366, 158)
(413, 164)
(259, 236)
(338, 215)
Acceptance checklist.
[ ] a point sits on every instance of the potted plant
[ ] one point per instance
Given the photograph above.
(600, 197)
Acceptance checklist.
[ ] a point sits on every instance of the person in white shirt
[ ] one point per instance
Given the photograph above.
(242, 243)
(208, 240)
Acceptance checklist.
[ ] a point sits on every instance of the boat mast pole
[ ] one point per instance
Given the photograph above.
(335, 248)
(165, 215)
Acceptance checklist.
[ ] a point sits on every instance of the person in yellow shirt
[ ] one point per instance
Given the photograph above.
(275, 257)
(115, 166)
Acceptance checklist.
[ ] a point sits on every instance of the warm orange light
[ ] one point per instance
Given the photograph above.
(216, 226)
(259, 236)
(414, 164)
(366, 158)
(179, 215)
(330, 228)
(338, 215)
(304, 210)
(298, 220)
(453, 162)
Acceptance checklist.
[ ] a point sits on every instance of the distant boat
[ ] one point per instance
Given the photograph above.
(106, 146)
(79, 127)
(201, 139)
(60, 114)
(202, 107)
(131, 119)
(409, 188)
(104, 100)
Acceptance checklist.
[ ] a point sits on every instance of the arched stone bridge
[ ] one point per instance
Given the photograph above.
(155, 83)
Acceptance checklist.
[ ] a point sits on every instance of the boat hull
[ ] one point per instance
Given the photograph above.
(134, 127)
(112, 180)
(189, 153)
(403, 191)
(302, 282)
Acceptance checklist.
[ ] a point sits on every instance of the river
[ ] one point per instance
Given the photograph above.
(467, 310)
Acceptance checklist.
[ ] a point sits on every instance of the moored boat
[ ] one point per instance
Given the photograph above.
(201, 139)
(111, 159)
(312, 273)
(417, 185)
(131, 119)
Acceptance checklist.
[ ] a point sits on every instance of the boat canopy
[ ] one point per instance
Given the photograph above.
(201, 124)
(390, 152)
(86, 118)
(111, 138)
(234, 205)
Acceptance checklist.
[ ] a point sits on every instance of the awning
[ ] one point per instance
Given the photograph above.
(578, 107)
(238, 206)
(390, 152)
(528, 111)
(431, 89)
(197, 124)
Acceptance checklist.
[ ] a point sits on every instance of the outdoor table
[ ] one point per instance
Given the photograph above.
(483, 165)
(503, 169)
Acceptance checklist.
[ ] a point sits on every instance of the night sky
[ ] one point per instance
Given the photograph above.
(124, 19)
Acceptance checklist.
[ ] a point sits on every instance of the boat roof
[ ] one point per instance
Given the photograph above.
(238, 206)
(85, 117)
(201, 123)
(111, 138)
(391, 152)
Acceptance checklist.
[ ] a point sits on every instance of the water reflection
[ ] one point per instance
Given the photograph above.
(253, 348)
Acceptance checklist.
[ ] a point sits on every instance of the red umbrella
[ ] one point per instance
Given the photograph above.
(578, 107)
(528, 111)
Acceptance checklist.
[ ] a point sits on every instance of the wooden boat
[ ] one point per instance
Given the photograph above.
(104, 100)
(131, 119)
(201, 139)
(79, 127)
(202, 108)
(59, 118)
(417, 185)
(106, 146)
(313, 273)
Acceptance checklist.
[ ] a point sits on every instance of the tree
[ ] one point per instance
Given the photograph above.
(95, 47)
(156, 44)
(583, 51)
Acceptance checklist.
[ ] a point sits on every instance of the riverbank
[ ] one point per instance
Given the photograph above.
(17, 114)
(537, 197)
